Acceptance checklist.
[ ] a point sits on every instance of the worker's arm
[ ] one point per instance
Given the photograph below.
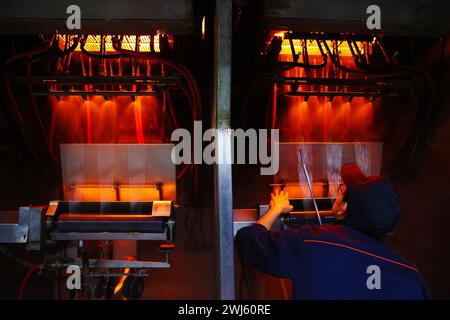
(275, 253)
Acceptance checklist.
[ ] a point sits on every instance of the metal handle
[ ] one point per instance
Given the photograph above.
(305, 170)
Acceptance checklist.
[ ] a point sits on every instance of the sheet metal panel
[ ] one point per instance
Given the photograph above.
(400, 17)
(324, 160)
(111, 165)
(100, 16)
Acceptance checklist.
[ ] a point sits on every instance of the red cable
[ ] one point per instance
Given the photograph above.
(196, 111)
(183, 171)
(9, 93)
(274, 107)
(35, 108)
(185, 72)
(25, 280)
(30, 53)
(361, 251)
(171, 110)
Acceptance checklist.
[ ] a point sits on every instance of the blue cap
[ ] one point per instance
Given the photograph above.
(373, 203)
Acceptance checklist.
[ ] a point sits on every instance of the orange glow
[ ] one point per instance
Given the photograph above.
(317, 118)
(322, 120)
(313, 48)
(104, 217)
(88, 121)
(108, 119)
(91, 193)
(121, 281)
(116, 193)
(138, 193)
(138, 120)
(320, 190)
(118, 120)
(129, 43)
(280, 34)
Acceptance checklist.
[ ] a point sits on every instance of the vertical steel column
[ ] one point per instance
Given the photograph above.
(222, 172)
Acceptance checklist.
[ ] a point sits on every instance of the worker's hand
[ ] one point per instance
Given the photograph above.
(279, 202)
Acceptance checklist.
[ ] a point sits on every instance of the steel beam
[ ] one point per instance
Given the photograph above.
(223, 179)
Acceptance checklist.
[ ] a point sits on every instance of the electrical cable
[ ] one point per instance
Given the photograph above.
(60, 54)
(185, 72)
(418, 139)
(172, 116)
(277, 67)
(29, 53)
(98, 55)
(171, 63)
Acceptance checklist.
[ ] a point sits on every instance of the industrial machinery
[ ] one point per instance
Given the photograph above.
(338, 93)
(324, 161)
(326, 94)
(95, 109)
(115, 195)
(86, 118)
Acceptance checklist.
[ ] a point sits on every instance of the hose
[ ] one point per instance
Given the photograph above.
(26, 279)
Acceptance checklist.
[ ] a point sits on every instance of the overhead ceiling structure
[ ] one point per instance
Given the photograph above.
(100, 16)
(400, 17)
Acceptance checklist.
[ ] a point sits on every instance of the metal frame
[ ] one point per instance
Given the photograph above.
(56, 85)
(23, 226)
(15, 231)
(223, 178)
(153, 80)
(66, 236)
(126, 264)
(117, 264)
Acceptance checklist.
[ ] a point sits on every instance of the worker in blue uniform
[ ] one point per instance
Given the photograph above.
(347, 260)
